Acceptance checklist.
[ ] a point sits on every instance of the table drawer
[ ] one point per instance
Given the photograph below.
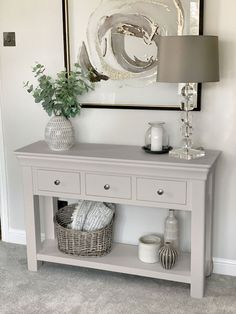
(161, 191)
(58, 181)
(108, 185)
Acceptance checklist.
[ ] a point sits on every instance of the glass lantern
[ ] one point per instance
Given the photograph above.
(156, 137)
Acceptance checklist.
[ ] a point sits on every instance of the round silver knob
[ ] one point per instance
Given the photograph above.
(57, 182)
(106, 187)
(160, 192)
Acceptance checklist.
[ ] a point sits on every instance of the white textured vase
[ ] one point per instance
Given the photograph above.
(59, 133)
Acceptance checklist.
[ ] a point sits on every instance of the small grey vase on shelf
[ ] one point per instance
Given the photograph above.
(59, 134)
(168, 256)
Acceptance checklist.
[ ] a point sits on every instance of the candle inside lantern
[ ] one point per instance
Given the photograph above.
(156, 136)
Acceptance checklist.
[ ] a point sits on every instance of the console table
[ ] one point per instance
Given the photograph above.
(125, 175)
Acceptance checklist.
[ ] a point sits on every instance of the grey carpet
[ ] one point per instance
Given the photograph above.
(65, 289)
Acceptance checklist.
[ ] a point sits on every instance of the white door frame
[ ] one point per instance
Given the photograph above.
(3, 179)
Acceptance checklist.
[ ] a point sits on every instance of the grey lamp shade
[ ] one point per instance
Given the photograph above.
(188, 59)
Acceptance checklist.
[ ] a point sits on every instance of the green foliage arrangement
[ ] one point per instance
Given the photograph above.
(60, 96)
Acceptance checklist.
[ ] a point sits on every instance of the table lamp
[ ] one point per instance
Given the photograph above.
(188, 59)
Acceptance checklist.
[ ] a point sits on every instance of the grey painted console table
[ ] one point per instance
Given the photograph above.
(126, 175)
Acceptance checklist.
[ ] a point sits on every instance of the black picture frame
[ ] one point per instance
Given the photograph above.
(67, 64)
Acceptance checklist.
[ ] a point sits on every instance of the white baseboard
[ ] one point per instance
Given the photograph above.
(224, 266)
(16, 236)
(220, 266)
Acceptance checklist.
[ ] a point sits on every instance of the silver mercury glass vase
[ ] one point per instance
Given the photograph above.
(59, 133)
(168, 256)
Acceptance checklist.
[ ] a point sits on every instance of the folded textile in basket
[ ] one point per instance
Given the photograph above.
(91, 216)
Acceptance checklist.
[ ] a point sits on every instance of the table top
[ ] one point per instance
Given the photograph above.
(110, 152)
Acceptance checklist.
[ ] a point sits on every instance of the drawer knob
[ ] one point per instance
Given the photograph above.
(106, 187)
(57, 182)
(160, 192)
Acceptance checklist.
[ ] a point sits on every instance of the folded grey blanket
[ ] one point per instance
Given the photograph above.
(91, 216)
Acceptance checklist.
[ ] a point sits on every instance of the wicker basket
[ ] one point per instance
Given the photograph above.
(83, 243)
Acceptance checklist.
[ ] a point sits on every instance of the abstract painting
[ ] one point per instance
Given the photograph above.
(116, 42)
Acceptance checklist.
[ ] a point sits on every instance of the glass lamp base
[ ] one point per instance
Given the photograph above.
(187, 154)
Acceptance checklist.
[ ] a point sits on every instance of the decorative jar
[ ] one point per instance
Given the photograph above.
(59, 133)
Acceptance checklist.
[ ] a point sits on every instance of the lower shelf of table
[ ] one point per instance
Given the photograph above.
(123, 259)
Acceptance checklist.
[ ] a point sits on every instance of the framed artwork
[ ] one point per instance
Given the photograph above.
(116, 41)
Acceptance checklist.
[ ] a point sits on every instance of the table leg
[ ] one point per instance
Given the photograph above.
(50, 208)
(209, 224)
(198, 239)
(32, 220)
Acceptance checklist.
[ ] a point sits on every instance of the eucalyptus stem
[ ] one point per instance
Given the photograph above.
(60, 96)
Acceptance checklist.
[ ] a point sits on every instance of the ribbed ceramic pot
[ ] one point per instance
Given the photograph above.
(59, 133)
(168, 256)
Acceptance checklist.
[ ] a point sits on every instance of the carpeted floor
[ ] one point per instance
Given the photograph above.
(65, 289)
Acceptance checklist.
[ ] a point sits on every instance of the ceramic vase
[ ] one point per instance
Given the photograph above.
(59, 134)
(168, 256)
